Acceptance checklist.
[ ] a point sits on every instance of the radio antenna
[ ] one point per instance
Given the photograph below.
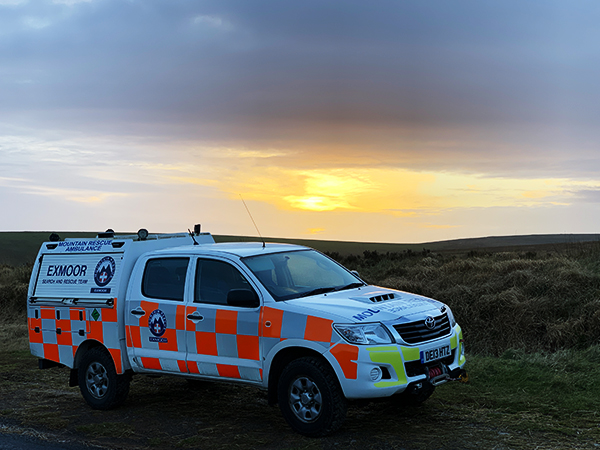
(252, 218)
(193, 238)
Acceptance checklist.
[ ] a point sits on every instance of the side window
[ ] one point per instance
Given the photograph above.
(214, 280)
(164, 278)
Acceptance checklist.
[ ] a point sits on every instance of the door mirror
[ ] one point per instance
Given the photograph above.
(245, 298)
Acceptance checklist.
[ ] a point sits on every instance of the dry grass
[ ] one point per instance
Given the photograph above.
(13, 292)
(13, 336)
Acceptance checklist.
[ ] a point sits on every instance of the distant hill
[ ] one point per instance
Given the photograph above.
(18, 248)
(513, 241)
(493, 243)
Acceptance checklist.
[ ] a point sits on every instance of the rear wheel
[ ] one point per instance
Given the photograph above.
(310, 397)
(99, 383)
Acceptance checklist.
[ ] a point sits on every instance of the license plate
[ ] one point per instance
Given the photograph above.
(435, 354)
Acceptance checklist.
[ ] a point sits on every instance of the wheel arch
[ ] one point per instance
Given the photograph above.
(84, 347)
(100, 384)
(281, 360)
(81, 350)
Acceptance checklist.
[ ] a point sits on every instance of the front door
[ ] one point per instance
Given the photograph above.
(222, 340)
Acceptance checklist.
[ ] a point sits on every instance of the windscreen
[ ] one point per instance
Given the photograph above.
(296, 274)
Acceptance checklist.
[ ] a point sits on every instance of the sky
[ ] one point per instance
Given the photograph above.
(383, 121)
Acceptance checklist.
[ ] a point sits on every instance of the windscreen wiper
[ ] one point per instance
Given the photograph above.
(321, 290)
(325, 290)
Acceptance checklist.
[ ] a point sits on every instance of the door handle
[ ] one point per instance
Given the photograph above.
(138, 311)
(195, 316)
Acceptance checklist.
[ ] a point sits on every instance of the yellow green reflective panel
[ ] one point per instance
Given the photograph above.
(391, 356)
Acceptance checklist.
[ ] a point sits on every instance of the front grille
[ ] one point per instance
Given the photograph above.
(416, 332)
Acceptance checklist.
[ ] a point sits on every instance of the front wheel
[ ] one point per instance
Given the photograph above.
(99, 383)
(310, 397)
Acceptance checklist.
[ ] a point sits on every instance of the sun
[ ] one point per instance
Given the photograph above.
(315, 203)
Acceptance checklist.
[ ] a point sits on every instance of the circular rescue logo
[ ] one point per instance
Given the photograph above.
(157, 323)
(105, 271)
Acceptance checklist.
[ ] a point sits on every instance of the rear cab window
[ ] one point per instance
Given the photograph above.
(164, 278)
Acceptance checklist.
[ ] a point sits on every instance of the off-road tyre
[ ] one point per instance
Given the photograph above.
(310, 397)
(99, 383)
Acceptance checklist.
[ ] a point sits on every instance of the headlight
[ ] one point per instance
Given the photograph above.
(368, 333)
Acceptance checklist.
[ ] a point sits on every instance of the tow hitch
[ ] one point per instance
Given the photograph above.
(463, 377)
(459, 375)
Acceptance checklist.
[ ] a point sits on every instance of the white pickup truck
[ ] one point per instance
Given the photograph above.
(283, 318)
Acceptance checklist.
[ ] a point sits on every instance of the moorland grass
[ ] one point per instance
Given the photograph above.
(503, 301)
(13, 292)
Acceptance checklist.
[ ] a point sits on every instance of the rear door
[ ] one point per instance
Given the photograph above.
(155, 315)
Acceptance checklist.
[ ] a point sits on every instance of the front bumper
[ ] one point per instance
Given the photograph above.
(386, 370)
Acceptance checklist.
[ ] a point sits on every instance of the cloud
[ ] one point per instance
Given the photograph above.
(440, 227)
(589, 195)
(453, 80)
(408, 111)
(212, 21)
(113, 165)
(70, 2)
(398, 192)
(74, 195)
(37, 23)
(77, 194)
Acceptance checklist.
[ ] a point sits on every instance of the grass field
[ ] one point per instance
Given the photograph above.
(531, 320)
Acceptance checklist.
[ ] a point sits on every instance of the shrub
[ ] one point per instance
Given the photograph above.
(527, 301)
(504, 301)
(13, 292)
